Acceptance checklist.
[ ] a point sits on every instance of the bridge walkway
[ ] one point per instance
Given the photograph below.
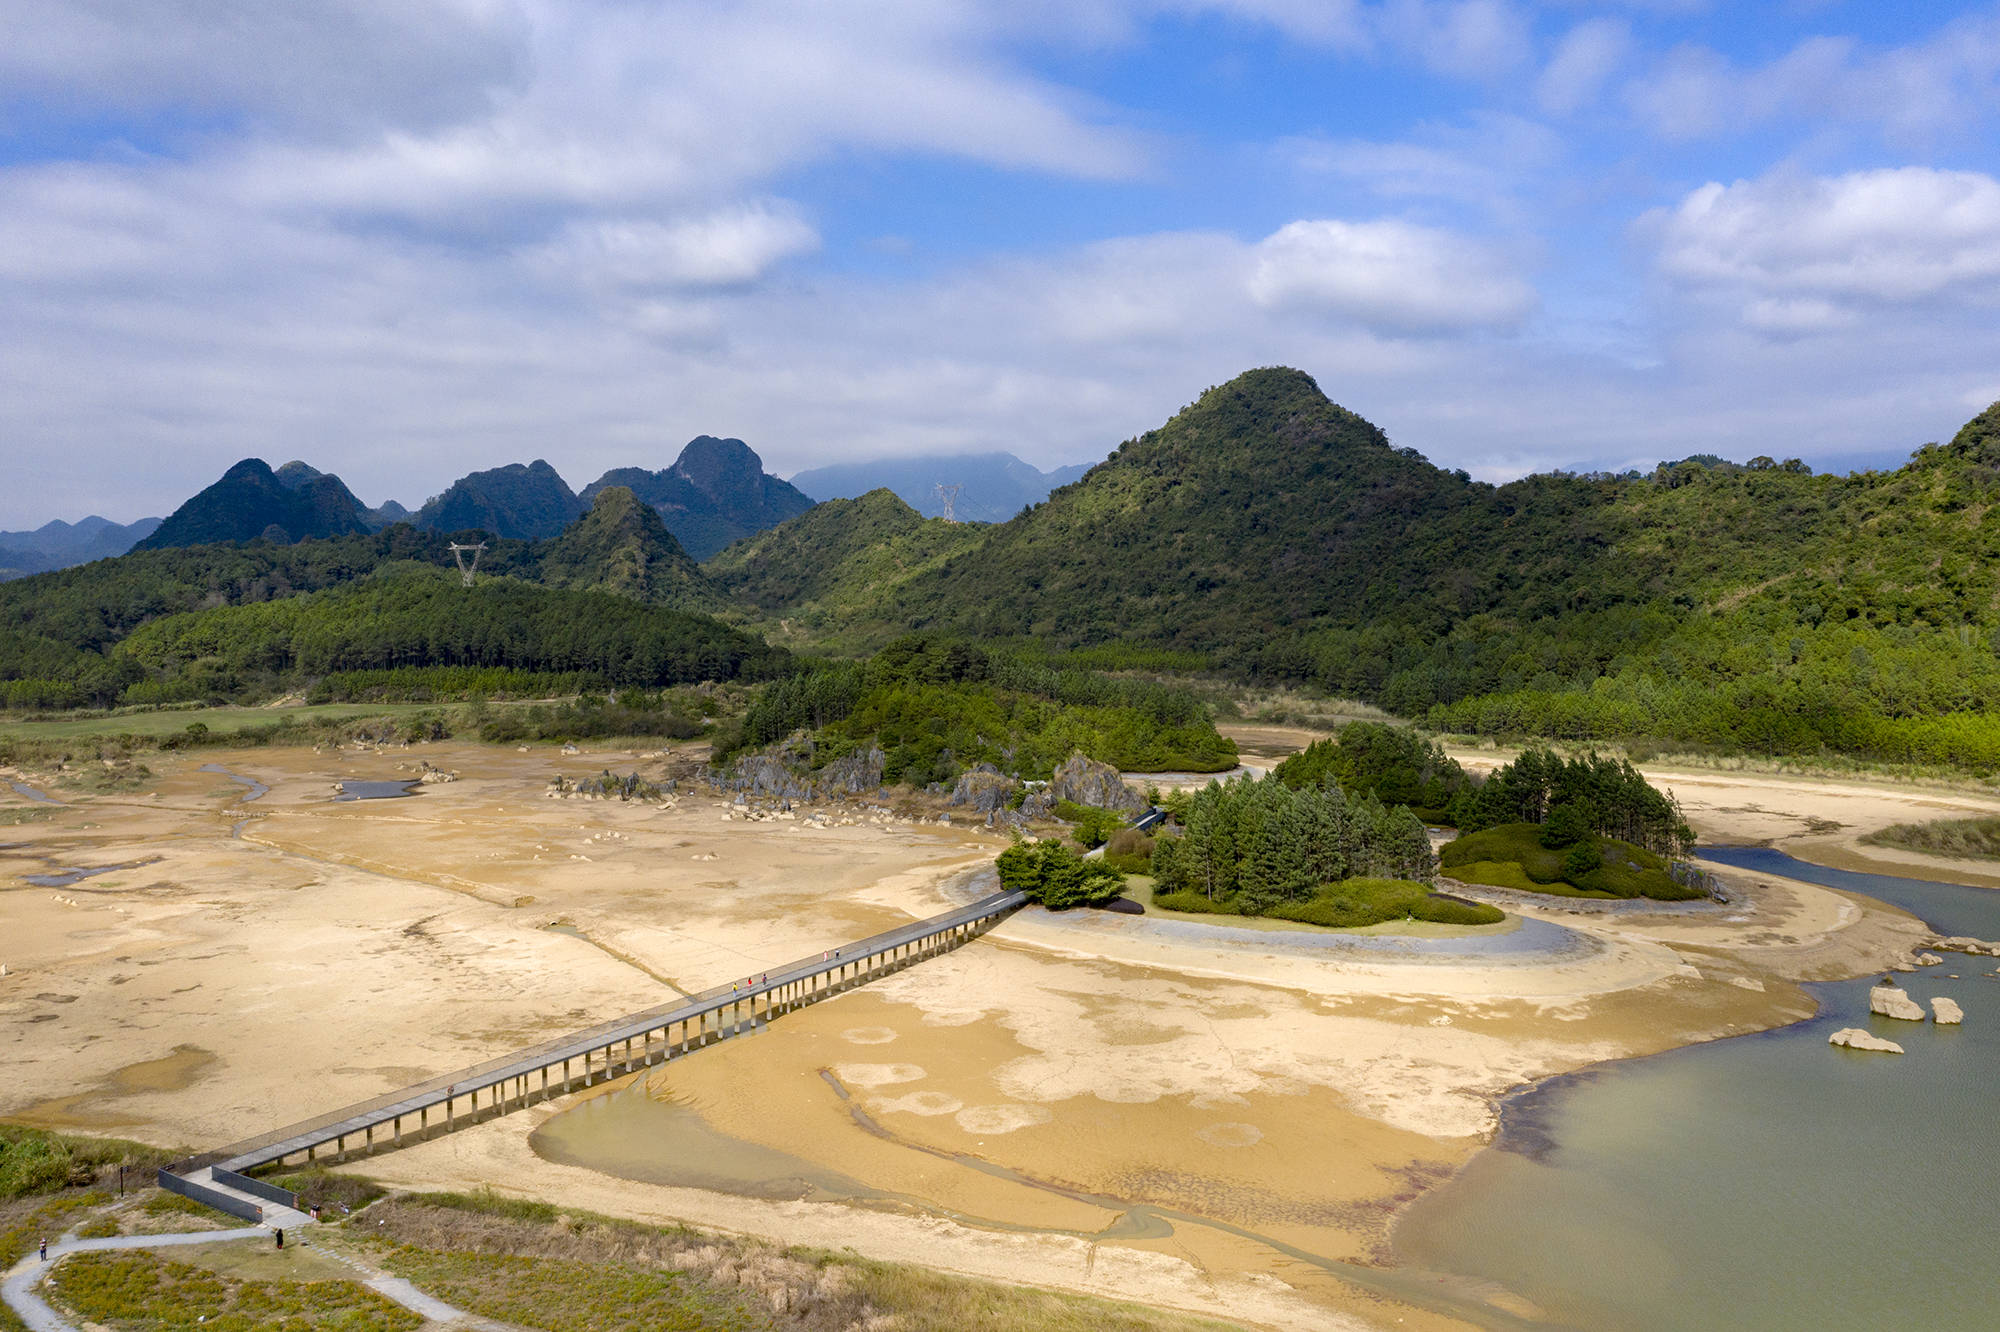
(570, 1063)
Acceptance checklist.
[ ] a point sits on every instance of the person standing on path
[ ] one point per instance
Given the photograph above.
(45, 1248)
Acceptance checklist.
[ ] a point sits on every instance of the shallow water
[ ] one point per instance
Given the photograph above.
(1767, 1181)
(64, 878)
(22, 788)
(377, 790)
(254, 789)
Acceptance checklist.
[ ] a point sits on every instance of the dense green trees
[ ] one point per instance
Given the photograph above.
(1056, 877)
(1572, 799)
(427, 619)
(938, 705)
(1262, 843)
(1395, 764)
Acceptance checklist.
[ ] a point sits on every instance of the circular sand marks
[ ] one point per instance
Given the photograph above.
(918, 1103)
(953, 1017)
(868, 1035)
(876, 1075)
(989, 1119)
(1230, 1135)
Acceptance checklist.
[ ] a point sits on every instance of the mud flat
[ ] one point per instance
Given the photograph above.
(1183, 1116)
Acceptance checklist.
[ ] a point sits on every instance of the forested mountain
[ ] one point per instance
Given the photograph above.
(830, 567)
(996, 486)
(621, 546)
(1755, 607)
(529, 501)
(58, 545)
(253, 503)
(716, 492)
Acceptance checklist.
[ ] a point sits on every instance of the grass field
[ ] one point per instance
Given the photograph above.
(1978, 838)
(140, 1292)
(154, 723)
(529, 1264)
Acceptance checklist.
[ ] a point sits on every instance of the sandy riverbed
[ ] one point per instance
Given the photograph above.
(1280, 1103)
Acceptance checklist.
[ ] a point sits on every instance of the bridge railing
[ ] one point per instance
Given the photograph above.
(478, 1076)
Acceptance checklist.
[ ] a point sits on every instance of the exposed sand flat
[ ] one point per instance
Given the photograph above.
(1004, 1110)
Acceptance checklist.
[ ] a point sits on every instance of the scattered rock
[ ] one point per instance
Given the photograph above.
(1947, 1011)
(1892, 1002)
(571, 749)
(1929, 960)
(1854, 1038)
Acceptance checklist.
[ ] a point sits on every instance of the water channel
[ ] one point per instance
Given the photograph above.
(1766, 1181)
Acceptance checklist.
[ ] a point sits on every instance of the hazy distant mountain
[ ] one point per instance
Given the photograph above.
(387, 512)
(996, 485)
(252, 502)
(717, 492)
(528, 501)
(58, 545)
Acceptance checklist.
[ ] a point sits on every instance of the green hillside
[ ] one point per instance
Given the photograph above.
(830, 568)
(1757, 607)
(423, 617)
(622, 547)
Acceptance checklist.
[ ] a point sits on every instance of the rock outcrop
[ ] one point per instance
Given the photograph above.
(1929, 960)
(1085, 781)
(984, 788)
(1947, 1011)
(1854, 1038)
(1893, 1002)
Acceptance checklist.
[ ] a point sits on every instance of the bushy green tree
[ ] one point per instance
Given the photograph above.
(1055, 877)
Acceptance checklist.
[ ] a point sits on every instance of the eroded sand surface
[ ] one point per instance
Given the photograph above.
(1216, 1127)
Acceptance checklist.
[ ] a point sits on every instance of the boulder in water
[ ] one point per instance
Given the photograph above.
(1947, 1011)
(1893, 1002)
(1928, 960)
(1854, 1038)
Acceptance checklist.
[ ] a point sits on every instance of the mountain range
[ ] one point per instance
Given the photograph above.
(58, 545)
(993, 486)
(1268, 534)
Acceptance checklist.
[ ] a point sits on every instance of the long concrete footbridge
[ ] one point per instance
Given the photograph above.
(555, 1068)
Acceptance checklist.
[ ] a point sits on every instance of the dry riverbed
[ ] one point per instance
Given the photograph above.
(1213, 1128)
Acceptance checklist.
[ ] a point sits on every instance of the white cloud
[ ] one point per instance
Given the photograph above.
(1904, 235)
(731, 247)
(1487, 162)
(1390, 275)
(1941, 87)
(1588, 55)
(1479, 39)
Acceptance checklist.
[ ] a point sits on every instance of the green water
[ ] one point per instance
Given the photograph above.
(1768, 1182)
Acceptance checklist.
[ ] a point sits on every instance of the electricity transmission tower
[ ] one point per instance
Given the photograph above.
(465, 571)
(948, 493)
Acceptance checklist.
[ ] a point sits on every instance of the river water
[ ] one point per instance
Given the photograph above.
(1767, 1181)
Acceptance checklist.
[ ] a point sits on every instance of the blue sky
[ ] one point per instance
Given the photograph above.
(402, 239)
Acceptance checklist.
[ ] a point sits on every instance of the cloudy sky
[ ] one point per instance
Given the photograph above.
(402, 239)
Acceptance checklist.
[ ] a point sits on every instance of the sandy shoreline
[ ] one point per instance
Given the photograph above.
(332, 952)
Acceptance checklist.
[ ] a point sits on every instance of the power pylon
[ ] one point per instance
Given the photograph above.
(465, 571)
(948, 493)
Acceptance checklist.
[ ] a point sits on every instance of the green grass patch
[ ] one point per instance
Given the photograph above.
(36, 1161)
(1512, 856)
(21, 1227)
(1975, 839)
(564, 1295)
(1351, 904)
(152, 724)
(485, 1202)
(140, 1292)
(322, 1188)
